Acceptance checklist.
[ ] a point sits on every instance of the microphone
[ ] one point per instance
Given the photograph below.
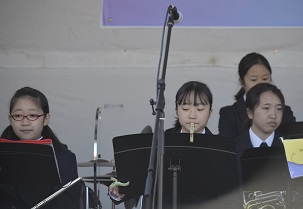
(177, 16)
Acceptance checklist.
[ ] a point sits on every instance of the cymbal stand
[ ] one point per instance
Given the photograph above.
(98, 117)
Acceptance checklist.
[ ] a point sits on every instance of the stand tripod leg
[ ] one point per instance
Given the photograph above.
(175, 189)
(175, 169)
(86, 198)
(113, 205)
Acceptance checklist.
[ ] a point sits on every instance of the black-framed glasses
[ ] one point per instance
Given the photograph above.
(30, 117)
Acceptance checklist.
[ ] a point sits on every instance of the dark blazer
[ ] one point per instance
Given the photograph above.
(67, 164)
(233, 119)
(243, 142)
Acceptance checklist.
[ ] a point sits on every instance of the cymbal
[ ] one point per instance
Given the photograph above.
(103, 179)
(99, 163)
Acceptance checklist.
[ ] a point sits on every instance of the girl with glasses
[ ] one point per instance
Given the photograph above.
(29, 119)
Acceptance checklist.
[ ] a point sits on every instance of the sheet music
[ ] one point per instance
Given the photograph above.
(294, 155)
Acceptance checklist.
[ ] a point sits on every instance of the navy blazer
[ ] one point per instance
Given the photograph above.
(67, 164)
(243, 143)
(233, 119)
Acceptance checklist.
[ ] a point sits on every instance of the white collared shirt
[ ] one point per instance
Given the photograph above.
(256, 141)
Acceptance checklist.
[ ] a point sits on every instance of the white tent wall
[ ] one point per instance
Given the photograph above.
(58, 47)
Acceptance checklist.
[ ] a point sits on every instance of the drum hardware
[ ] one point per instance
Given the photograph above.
(99, 163)
(103, 179)
(95, 154)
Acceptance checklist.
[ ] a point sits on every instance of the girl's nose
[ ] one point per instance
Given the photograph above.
(192, 114)
(273, 113)
(25, 121)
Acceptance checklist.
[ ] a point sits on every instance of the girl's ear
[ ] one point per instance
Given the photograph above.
(210, 112)
(46, 119)
(250, 113)
(241, 82)
(10, 119)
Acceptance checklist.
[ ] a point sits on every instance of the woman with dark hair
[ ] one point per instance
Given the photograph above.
(193, 109)
(193, 105)
(29, 117)
(265, 106)
(253, 68)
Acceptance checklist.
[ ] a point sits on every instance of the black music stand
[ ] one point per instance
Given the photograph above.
(291, 129)
(208, 166)
(24, 163)
(265, 169)
(32, 162)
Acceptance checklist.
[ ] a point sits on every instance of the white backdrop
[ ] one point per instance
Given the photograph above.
(58, 47)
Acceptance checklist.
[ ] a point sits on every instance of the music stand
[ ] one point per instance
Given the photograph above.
(208, 165)
(28, 163)
(265, 169)
(291, 129)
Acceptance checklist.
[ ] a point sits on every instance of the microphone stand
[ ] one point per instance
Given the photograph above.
(158, 136)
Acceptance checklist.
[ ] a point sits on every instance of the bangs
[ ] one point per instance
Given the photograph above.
(199, 98)
(194, 93)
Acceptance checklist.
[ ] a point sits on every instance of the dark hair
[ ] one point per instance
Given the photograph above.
(246, 63)
(201, 93)
(253, 96)
(41, 101)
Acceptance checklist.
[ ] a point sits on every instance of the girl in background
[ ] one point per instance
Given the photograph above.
(253, 68)
(265, 104)
(265, 107)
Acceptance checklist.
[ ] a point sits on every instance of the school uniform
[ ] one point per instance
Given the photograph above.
(244, 142)
(233, 119)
